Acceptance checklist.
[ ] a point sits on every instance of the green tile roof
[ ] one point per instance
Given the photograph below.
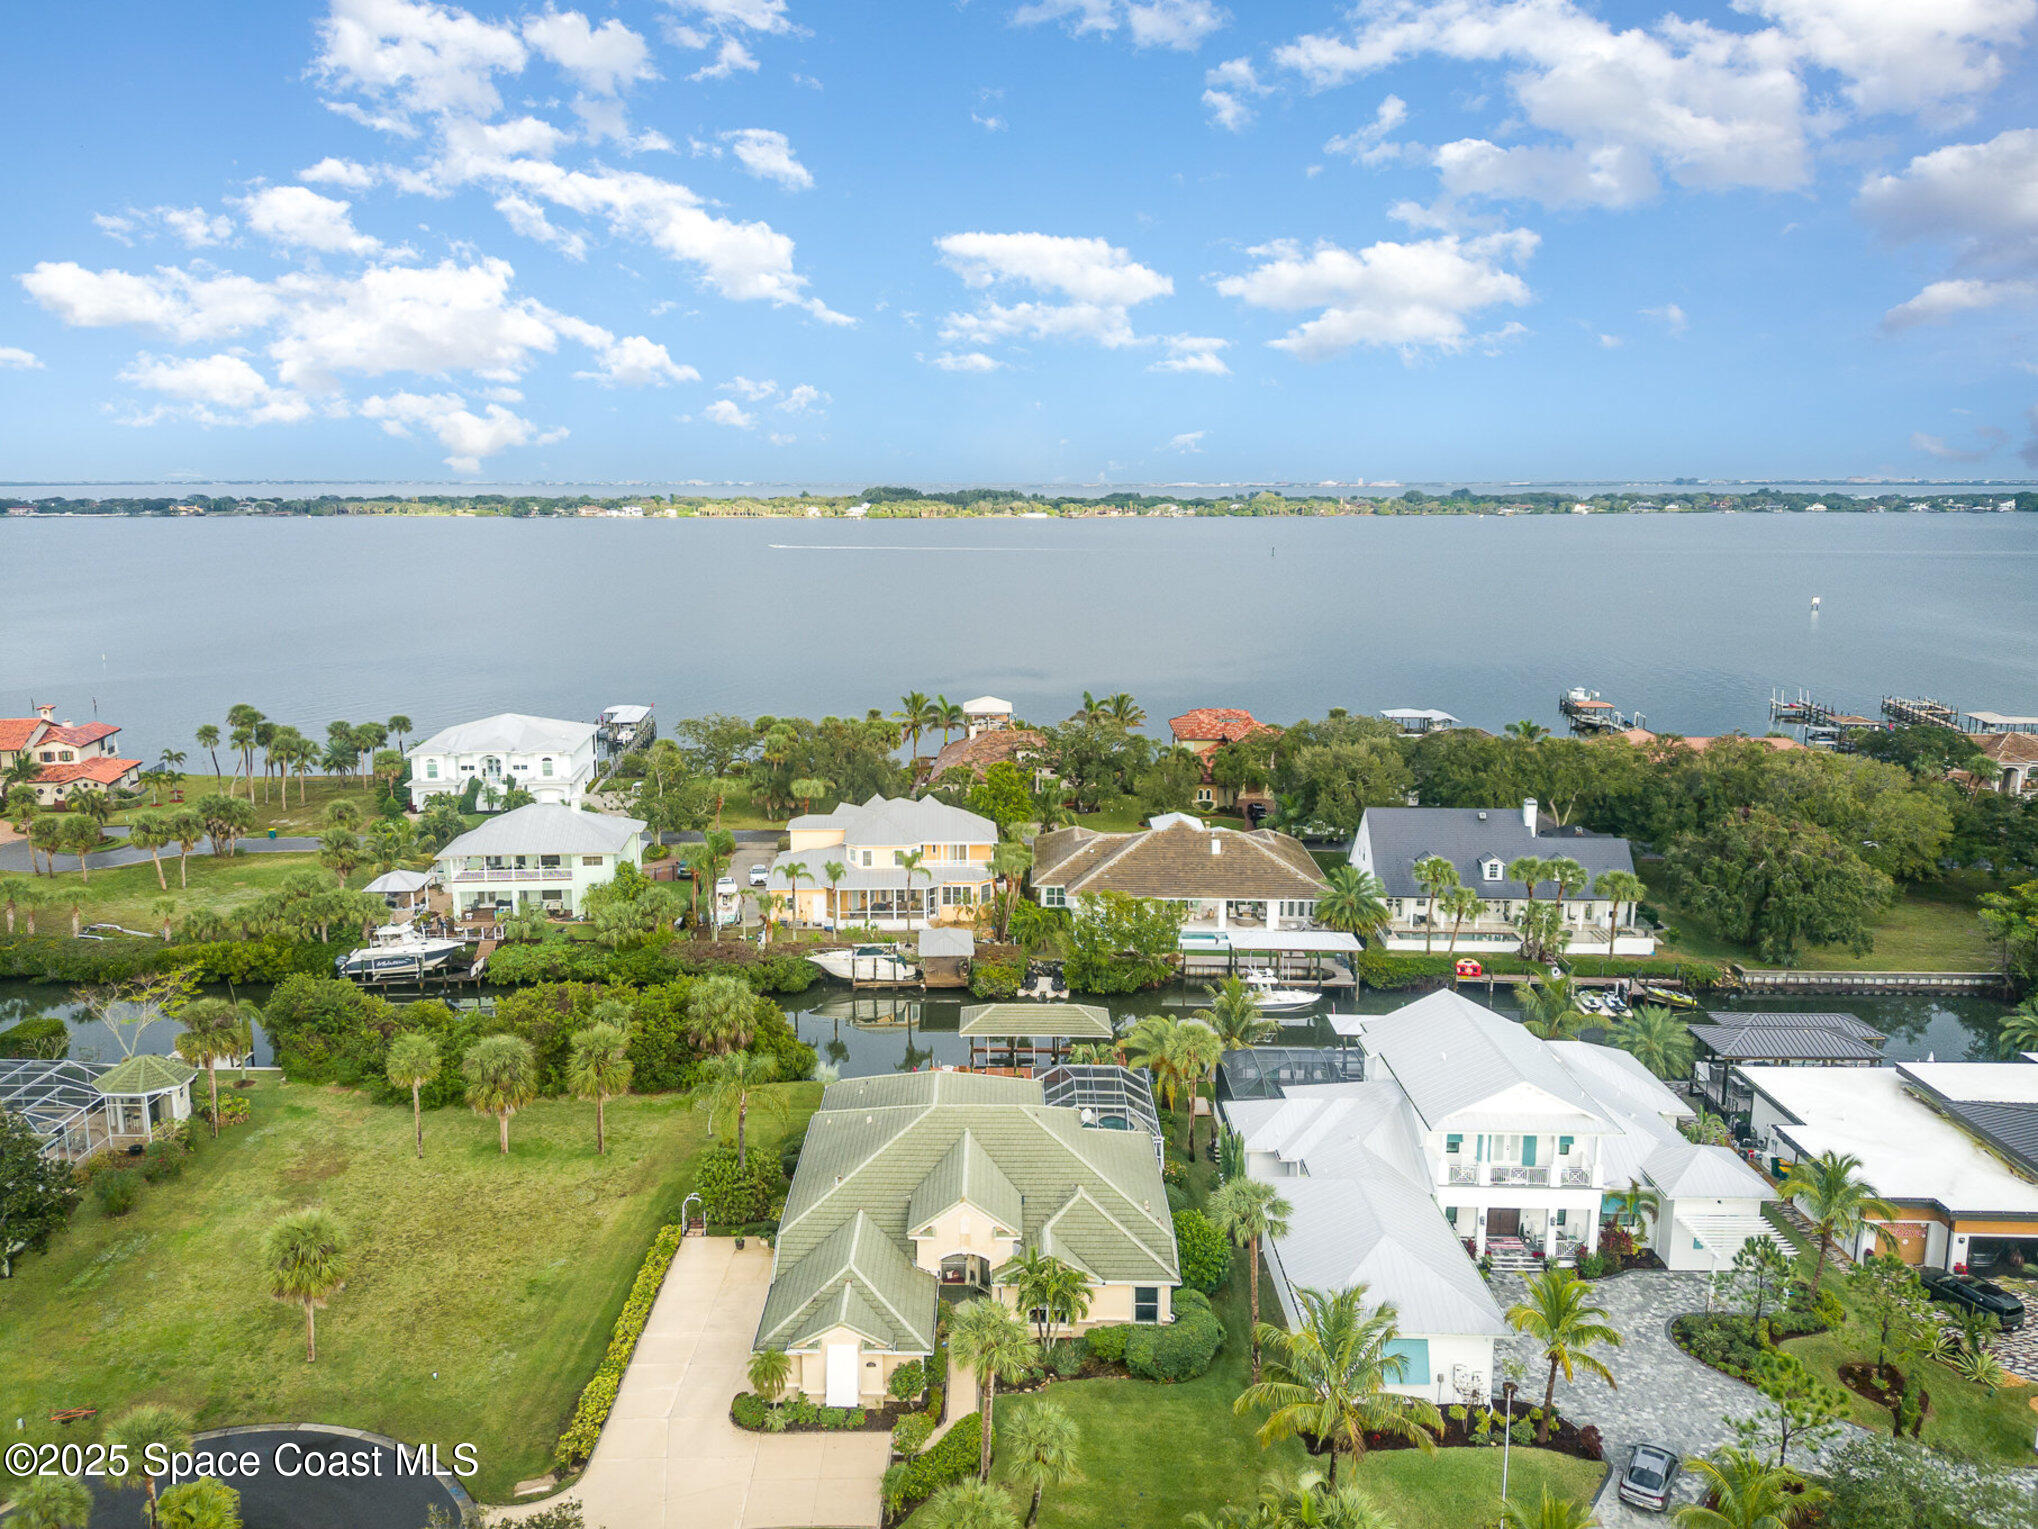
(145, 1074)
(855, 1277)
(1077, 1021)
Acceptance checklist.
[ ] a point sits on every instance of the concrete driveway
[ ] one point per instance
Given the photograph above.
(671, 1459)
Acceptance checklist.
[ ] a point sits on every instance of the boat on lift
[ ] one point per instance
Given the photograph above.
(1275, 999)
(866, 963)
(398, 950)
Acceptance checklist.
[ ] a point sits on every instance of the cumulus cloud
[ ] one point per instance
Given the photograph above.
(14, 358)
(221, 389)
(604, 59)
(1228, 92)
(1409, 295)
(726, 411)
(297, 217)
(1177, 24)
(768, 155)
(1976, 198)
(466, 436)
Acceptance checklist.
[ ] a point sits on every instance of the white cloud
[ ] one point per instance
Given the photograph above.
(1368, 145)
(1411, 295)
(1178, 24)
(14, 358)
(1670, 316)
(805, 398)
(726, 411)
(1193, 353)
(605, 59)
(299, 218)
(219, 389)
(1228, 91)
(636, 362)
(1981, 199)
(1188, 441)
(466, 436)
(1098, 281)
(966, 361)
(768, 155)
(414, 56)
(348, 174)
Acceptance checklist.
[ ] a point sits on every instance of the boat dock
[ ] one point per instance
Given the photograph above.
(1588, 713)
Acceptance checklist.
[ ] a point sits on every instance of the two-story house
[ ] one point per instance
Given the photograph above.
(551, 759)
(1481, 843)
(905, 863)
(909, 1183)
(71, 756)
(544, 853)
(1231, 878)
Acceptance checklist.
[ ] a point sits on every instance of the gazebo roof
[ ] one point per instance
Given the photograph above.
(1075, 1021)
(145, 1074)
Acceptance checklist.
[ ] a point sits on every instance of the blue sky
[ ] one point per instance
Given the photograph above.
(1066, 240)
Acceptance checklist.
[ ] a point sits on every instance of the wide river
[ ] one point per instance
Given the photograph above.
(1689, 619)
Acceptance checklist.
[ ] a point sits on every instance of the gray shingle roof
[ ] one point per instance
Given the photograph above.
(1465, 836)
(1453, 1056)
(546, 828)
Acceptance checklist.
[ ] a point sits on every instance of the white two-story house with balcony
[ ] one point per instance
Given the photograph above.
(552, 759)
(542, 854)
(904, 863)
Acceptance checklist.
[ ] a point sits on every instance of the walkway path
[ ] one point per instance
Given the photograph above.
(671, 1459)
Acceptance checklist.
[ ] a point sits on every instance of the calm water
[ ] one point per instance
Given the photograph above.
(1688, 619)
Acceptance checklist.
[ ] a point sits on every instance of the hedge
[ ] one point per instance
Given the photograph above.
(578, 1442)
(952, 1459)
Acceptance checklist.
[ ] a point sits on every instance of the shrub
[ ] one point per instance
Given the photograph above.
(908, 1380)
(948, 1462)
(729, 1196)
(578, 1442)
(116, 1191)
(1108, 1343)
(995, 979)
(163, 1160)
(911, 1432)
(1206, 1256)
(1182, 1349)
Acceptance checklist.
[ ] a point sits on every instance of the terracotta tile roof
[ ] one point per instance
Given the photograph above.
(81, 733)
(984, 750)
(16, 731)
(1219, 724)
(1176, 861)
(2003, 748)
(106, 771)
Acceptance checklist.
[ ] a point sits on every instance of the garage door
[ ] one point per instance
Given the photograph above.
(842, 1374)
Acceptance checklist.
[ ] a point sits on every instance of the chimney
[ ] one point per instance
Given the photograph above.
(1528, 814)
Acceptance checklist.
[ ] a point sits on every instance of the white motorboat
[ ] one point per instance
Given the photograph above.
(1275, 999)
(865, 963)
(398, 950)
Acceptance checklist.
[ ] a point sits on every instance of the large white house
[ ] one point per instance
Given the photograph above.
(1481, 842)
(544, 853)
(551, 759)
(871, 842)
(1468, 1137)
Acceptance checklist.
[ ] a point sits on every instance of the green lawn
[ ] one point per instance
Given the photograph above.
(127, 895)
(1929, 928)
(481, 1293)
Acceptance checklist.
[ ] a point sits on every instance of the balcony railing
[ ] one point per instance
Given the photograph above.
(533, 873)
(1520, 1173)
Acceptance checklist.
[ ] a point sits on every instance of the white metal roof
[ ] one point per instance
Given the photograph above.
(508, 732)
(546, 828)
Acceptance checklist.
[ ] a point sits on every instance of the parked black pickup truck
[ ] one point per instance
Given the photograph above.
(1966, 1290)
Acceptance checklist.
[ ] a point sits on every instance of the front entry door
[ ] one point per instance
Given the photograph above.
(1503, 1223)
(842, 1374)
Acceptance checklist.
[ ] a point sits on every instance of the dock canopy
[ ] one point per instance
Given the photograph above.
(1066, 1021)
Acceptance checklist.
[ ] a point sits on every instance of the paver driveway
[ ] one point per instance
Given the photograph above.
(671, 1459)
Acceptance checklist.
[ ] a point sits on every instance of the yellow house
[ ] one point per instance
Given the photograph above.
(912, 1182)
(902, 863)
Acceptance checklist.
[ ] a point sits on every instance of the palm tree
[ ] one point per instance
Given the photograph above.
(1838, 1201)
(728, 1085)
(1234, 1015)
(970, 1505)
(413, 1062)
(1656, 1038)
(1462, 903)
(147, 1432)
(1550, 1008)
(305, 1255)
(1744, 1491)
(1248, 1211)
(1617, 887)
(215, 1030)
(1550, 1513)
(52, 1502)
(146, 831)
(599, 1069)
(1059, 1292)
(1011, 859)
(1526, 731)
(2019, 1032)
(1040, 1450)
(1559, 1314)
(1433, 873)
(1327, 1377)
(985, 1338)
(208, 739)
(769, 1370)
(912, 717)
(502, 1077)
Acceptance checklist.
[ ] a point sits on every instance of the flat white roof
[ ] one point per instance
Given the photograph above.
(1908, 1151)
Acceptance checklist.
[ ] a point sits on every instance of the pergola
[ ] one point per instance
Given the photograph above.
(1022, 1036)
